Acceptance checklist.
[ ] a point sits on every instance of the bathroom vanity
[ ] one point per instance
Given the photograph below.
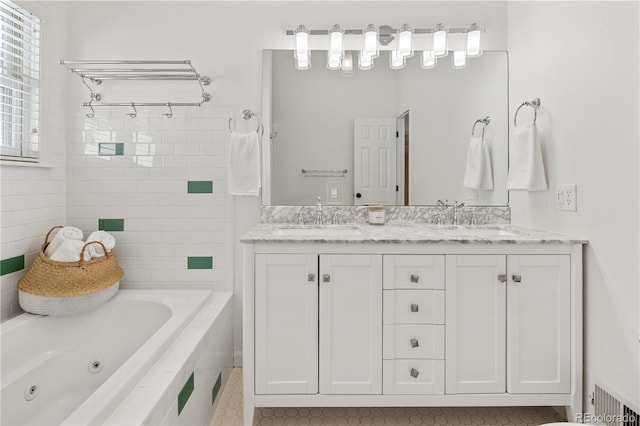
(411, 315)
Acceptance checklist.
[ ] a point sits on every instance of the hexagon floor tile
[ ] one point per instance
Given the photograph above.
(229, 413)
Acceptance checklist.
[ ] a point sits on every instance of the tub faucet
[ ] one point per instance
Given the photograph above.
(319, 220)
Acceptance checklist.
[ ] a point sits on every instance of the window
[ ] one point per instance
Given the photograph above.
(19, 83)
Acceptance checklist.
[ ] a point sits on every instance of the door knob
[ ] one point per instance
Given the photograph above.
(326, 278)
(414, 307)
(502, 278)
(415, 278)
(414, 373)
(516, 278)
(311, 277)
(358, 195)
(414, 343)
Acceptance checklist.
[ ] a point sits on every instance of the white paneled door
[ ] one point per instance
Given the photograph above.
(374, 157)
(351, 324)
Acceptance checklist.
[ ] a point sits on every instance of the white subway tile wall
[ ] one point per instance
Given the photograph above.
(173, 237)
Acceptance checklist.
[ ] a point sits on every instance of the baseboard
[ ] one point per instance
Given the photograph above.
(237, 358)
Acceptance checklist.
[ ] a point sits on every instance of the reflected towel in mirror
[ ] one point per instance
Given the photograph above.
(479, 172)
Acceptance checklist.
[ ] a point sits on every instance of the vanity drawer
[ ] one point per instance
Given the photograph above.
(413, 307)
(413, 272)
(413, 377)
(408, 341)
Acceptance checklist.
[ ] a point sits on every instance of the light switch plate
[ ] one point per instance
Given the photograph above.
(567, 197)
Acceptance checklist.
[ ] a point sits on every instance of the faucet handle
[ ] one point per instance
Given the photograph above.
(334, 219)
(300, 218)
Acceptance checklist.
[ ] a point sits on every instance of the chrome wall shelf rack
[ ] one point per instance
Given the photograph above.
(97, 71)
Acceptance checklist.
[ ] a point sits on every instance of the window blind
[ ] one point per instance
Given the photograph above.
(20, 81)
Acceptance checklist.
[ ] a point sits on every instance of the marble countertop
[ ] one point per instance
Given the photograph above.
(409, 233)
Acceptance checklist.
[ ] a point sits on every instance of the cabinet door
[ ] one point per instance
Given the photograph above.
(351, 324)
(475, 324)
(538, 318)
(286, 324)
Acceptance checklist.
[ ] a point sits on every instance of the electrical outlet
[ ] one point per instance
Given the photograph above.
(334, 192)
(567, 197)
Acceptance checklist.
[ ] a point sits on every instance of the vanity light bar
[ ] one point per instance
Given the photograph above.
(403, 47)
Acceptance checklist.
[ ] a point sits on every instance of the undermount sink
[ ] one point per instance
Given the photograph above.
(320, 230)
(478, 232)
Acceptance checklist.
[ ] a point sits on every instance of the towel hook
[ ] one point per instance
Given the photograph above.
(170, 113)
(133, 114)
(485, 122)
(92, 113)
(535, 104)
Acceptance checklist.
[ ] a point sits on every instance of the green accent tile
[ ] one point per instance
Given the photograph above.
(111, 224)
(200, 187)
(200, 262)
(110, 149)
(216, 388)
(185, 393)
(12, 264)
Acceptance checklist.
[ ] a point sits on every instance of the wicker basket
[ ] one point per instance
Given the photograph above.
(55, 288)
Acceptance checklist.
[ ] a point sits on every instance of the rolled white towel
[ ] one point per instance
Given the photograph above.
(66, 233)
(95, 250)
(69, 251)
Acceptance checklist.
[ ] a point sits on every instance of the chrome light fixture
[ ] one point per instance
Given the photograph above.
(440, 41)
(473, 41)
(302, 54)
(336, 48)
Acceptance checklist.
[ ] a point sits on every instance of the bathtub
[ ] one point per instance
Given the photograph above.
(145, 357)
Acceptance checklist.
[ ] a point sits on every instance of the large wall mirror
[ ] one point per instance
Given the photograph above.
(322, 126)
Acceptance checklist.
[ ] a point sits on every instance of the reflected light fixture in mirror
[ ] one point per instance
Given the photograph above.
(428, 59)
(396, 60)
(365, 62)
(459, 59)
(347, 65)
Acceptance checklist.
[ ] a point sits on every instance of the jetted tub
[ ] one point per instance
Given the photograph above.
(127, 362)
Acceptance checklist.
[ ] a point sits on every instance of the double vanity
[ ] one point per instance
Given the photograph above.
(411, 315)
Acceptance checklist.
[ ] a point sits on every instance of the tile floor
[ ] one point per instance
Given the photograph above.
(229, 413)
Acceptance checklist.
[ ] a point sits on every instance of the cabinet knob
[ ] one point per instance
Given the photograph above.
(502, 278)
(326, 278)
(414, 343)
(415, 278)
(414, 307)
(516, 278)
(414, 373)
(311, 277)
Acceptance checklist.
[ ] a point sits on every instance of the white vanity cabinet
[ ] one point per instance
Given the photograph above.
(318, 324)
(508, 324)
(369, 323)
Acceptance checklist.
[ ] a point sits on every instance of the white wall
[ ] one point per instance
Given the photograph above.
(34, 197)
(581, 60)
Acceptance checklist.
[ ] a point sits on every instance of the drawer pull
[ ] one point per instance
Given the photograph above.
(414, 343)
(502, 278)
(415, 278)
(414, 307)
(516, 278)
(311, 277)
(414, 373)
(326, 278)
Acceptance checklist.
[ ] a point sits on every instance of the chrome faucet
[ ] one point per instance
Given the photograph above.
(456, 205)
(319, 220)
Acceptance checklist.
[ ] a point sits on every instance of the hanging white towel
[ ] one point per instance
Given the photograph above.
(243, 173)
(95, 250)
(66, 233)
(526, 168)
(69, 251)
(479, 172)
